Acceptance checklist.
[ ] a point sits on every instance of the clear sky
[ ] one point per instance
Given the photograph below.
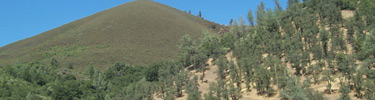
(20, 19)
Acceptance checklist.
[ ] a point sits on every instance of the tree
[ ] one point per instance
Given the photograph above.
(368, 47)
(293, 90)
(358, 84)
(188, 49)
(170, 94)
(310, 93)
(152, 72)
(246, 66)
(281, 75)
(328, 77)
(338, 44)
(234, 92)
(278, 7)
(295, 58)
(365, 7)
(235, 73)
(199, 61)
(180, 81)
(225, 93)
(263, 81)
(359, 25)
(66, 89)
(223, 66)
(227, 40)
(141, 90)
(250, 17)
(324, 37)
(369, 89)
(100, 84)
(260, 14)
(292, 2)
(211, 46)
(305, 61)
(54, 63)
(344, 90)
(333, 14)
(91, 71)
(346, 64)
(318, 52)
(351, 30)
(200, 14)
(192, 89)
(212, 91)
(348, 4)
(315, 71)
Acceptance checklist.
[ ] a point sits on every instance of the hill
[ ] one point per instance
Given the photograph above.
(138, 32)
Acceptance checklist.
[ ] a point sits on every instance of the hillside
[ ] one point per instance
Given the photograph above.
(138, 32)
(313, 50)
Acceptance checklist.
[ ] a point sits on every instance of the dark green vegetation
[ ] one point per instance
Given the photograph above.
(284, 54)
(139, 32)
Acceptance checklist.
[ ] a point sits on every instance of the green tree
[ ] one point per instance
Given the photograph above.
(211, 46)
(227, 40)
(170, 94)
(250, 17)
(366, 6)
(368, 47)
(246, 66)
(278, 7)
(292, 2)
(293, 90)
(188, 49)
(192, 89)
(310, 93)
(54, 63)
(369, 89)
(180, 81)
(91, 70)
(344, 90)
(359, 25)
(358, 84)
(324, 37)
(351, 30)
(152, 72)
(66, 89)
(141, 90)
(295, 58)
(305, 61)
(234, 92)
(263, 81)
(235, 74)
(329, 78)
(260, 14)
(349, 4)
(315, 71)
(334, 15)
(212, 91)
(200, 14)
(317, 52)
(223, 66)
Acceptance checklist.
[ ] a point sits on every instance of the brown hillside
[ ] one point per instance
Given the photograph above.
(138, 32)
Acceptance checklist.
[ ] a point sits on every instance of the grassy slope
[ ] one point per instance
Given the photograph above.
(138, 32)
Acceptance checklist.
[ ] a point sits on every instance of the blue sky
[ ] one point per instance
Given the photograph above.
(21, 19)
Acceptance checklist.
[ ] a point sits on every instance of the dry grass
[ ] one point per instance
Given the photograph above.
(347, 13)
(138, 32)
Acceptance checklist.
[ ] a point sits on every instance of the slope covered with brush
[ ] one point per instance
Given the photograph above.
(138, 32)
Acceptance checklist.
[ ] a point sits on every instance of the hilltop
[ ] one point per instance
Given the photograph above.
(138, 32)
